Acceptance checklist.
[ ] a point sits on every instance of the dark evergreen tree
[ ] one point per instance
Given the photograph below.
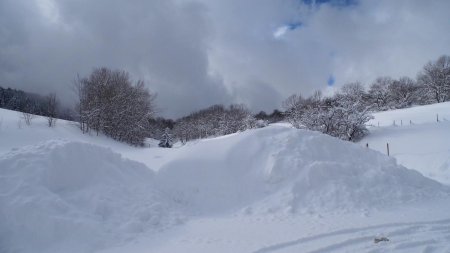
(166, 139)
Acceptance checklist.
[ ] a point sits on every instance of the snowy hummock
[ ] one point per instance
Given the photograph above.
(76, 197)
(275, 189)
(279, 169)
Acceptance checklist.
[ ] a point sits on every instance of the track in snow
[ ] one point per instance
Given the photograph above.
(423, 237)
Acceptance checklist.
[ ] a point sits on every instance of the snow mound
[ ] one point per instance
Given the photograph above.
(280, 169)
(75, 197)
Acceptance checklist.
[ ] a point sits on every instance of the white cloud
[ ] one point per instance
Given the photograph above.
(280, 31)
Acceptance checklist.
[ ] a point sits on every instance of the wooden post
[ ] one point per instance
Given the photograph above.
(437, 117)
(410, 122)
(387, 148)
(367, 145)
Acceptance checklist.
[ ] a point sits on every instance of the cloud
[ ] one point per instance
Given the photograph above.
(46, 43)
(354, 40)
(195, 53)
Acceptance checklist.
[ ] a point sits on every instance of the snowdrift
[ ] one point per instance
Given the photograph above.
(280, 169)
(75, 197)
(64, 196)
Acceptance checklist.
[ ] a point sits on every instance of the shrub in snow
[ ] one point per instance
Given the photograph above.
(27, 118)
(343, 115)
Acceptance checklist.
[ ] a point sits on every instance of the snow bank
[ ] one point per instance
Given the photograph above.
(282, 169)
(75, 197)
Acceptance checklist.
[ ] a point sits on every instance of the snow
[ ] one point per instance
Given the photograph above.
(287, 170)
(423, 146)
(417, 115)
(275, 189)
(58, 194)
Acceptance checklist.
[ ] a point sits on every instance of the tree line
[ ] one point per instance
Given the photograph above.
(345, 114)
(30, 103)
(109, 102)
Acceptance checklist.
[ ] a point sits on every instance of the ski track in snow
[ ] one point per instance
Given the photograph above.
(433, 236)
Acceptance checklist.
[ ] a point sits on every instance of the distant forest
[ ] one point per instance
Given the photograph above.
(18, 100)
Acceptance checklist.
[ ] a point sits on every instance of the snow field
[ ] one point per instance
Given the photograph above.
(423, 146)
(417, 115)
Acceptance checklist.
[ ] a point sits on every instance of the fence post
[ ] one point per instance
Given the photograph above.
(367, 145)
(387, 148)
(410, 122)
(437, 117)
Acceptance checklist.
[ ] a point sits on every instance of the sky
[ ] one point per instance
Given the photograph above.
(196, 53)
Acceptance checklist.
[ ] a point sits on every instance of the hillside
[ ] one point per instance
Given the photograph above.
(422, 145)
(275, 189)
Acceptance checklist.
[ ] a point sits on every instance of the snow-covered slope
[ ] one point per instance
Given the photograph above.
(14, 133)
(414, 115)
(264, 190)
(423, 145)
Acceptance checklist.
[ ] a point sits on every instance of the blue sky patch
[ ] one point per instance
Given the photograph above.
(331, 80)
(295, 25)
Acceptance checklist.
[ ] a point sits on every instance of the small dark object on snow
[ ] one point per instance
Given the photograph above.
(380, 239)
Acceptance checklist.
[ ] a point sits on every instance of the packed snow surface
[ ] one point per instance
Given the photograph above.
(275, 189)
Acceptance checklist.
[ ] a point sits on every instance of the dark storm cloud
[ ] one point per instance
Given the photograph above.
(203, 52)
(46, 43)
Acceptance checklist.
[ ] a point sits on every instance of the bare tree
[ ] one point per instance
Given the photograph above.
(435, 78)
(52, 108)
(27, 118)
(379, 93)
(403, 93)
(110, 103)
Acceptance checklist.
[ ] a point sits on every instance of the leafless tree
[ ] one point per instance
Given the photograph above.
(27, 118)
(403, 93)
(435, 78)
(379, 93)
(110, 103)
(52, 108)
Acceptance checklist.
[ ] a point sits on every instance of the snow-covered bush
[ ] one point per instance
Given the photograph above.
(343, 115)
